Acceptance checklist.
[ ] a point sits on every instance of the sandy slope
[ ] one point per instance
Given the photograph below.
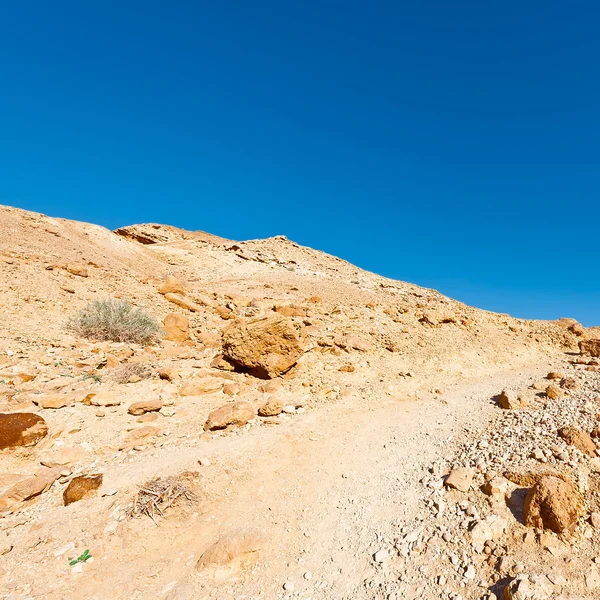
(327, 486)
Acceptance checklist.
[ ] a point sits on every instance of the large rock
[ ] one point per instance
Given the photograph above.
(52, 400)
(145, 406)
(265, 348)
(235, 414)
(21, 429)
(28, 488)
(591, 347)
(579, 439)
(81, 487)
(171, 285)
(554, 504)
(177, 328)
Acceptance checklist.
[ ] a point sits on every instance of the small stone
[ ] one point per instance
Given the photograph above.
(204, 462)
(381, 556)
(460, 479)
(307, 575)
(288, 586)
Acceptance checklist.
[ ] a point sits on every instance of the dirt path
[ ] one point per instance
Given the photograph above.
(328, 489)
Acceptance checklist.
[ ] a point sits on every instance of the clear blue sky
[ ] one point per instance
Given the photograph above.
(453, 144)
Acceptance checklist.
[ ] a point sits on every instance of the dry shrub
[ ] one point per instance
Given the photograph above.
(123, 373)
(159, 494)
(116, 321)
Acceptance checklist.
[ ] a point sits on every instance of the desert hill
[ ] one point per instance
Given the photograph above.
(293, 427)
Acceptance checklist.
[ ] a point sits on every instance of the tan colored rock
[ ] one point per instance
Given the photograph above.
(271, 408)
(590, 347)
(63, 456)
(569, 383)
(509, 402)
(167, 373)
(210, 385)
(78, 270)
(553, 392)
(105, 399)
(489, 529)
(28, 488)
(266, 348)
(52, 400)
(140, 435)
(460, 479)
(234, 414)
(183, 302)
(579, 439)
(235, 546)
(554, 504)
(353, 342)
(81, 487)
(21, 429)
(529, 587)
(145, 406)
(554, 375)
(171, 285)
(290, 311)
(177, 328)
(231, 389)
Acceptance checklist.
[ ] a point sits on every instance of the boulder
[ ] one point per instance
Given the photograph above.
(21, 429)
(81, 487)
(271, 408)
(171, 285)
(63, 456)
(234, 414)
(553, 392)
(145, 406)
(579, 439)
(591, 347)
(177, 328)
(265, 348)
(554, 504)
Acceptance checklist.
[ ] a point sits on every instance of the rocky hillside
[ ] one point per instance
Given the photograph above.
(298, 428)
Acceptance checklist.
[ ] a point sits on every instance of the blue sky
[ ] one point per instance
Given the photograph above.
(452, 144)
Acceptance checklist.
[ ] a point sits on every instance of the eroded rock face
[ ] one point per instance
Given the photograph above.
(81, 487)
(554, 504)
(236, 414)
(21, 429)
(591, 347)
(265, 348)
(177, 328)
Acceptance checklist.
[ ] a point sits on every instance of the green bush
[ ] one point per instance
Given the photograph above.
(114, 320)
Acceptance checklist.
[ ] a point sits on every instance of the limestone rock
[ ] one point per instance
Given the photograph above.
(21, 429)
(210, 385)
(579, 439)
(509, 402)
(266, 348)
(63, 456)
(105, 399)
(271, 408)
(529, 587)
(183, 302)
(235, 414)
(460, 479)
(81, 487)
(554, 504)
(52, 400)
(145, 406)
(28, 488)
(177, 328)
(171, 285)
(591, 347)
(553, 392)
